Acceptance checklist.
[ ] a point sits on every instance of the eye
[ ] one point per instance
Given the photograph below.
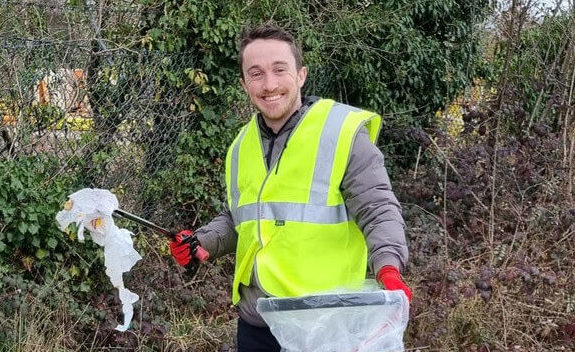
(256, 74)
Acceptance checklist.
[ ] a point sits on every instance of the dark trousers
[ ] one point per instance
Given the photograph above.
(255, 339)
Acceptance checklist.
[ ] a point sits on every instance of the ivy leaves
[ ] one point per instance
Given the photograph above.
(29, 200)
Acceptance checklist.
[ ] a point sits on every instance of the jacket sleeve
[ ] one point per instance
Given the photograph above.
(371, 202)
(219, 236)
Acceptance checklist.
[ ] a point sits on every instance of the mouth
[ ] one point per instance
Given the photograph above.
(272, 98)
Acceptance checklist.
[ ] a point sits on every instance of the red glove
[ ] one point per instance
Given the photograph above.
(389, 277)
(183, 247)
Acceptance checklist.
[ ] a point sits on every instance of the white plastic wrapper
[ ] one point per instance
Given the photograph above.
(365, 321)
(92, 209)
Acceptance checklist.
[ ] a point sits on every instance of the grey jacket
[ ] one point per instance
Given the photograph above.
(368, 197)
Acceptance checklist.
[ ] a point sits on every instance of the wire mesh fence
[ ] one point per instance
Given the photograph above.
(111, 116)
(73, 89)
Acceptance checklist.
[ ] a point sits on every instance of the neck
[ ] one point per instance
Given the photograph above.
(277, 124)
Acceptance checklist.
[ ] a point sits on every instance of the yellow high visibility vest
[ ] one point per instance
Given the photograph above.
(292, 221)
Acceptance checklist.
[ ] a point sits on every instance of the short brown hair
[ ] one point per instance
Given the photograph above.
(268, 31)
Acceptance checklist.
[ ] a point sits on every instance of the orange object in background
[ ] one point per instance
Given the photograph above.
(66, 89)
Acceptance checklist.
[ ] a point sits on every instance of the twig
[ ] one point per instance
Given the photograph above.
(445, 233)
(564, 237)
(572, 146)
(492, 205)
(504, 320)
(417, 163)
(435, 217)
(541, 91)
(539, 309)
(527, 336)
(519, 213)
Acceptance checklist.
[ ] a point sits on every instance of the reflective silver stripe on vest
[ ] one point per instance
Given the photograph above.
(326, 152)
(234, 190)
(319, 214)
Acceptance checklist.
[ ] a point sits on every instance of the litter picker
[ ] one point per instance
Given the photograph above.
(199, 253)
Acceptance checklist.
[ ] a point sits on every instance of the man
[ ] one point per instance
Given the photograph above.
(309, 202)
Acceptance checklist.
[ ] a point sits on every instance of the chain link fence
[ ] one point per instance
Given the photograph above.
(72, 90)
(112, 116)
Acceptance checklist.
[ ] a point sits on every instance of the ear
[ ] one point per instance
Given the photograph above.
(301, 76)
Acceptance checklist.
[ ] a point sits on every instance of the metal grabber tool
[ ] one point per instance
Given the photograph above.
(199, 253)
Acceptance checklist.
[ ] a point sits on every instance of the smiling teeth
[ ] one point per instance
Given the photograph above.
(275, 97)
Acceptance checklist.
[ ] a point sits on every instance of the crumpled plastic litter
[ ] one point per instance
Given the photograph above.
(91, 209)
(366, 320)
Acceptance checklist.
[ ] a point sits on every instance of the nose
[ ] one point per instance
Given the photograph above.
(270, 83)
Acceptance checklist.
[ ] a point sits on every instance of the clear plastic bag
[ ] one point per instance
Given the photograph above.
(367, 320)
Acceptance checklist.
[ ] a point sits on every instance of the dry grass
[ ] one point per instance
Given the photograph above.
(41, 328)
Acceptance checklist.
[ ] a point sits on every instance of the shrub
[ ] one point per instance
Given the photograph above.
(32, 190)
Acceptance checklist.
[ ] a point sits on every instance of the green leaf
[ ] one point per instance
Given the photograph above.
(22, 227)
(16, 183)
(42, 253)
(52, 243)
(84, 287)
(8, 212)
(33, 228)
(74, 271)
(35, 242)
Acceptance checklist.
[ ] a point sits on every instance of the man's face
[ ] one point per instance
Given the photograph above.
(272, 80)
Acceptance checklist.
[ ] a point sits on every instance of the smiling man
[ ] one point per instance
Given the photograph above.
(309, 202)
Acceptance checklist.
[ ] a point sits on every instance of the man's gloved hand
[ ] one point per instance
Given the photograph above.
(184, 246)
(390, 278)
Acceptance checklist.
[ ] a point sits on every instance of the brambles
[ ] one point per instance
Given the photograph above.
(467, 258)
(489, 239)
